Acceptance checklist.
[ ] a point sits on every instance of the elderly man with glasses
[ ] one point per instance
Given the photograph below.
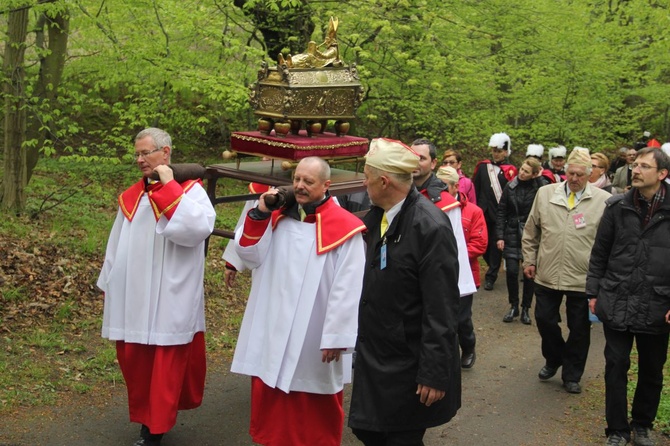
(628, 286)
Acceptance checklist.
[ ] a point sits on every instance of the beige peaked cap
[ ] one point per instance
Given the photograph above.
(391, 156)
(448, 174)
(580, 158)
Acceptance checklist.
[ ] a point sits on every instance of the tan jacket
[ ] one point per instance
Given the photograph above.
(551, 240)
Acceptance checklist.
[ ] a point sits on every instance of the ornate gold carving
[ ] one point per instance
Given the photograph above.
(287, 145)
(313, 57)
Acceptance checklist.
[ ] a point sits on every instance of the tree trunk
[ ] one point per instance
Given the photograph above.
(284, 27)
(48, 82)
(15, 172)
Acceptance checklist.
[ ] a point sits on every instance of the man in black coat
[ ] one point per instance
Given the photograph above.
(407, 376)
(490, 178)
(628, 285)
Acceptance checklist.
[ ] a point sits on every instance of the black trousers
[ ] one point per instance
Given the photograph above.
(652, 352)
(571, 353)
(402, 438)
(466, 330)
(512, 276)
(492, 256)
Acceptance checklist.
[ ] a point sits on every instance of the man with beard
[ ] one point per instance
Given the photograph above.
(490, 178)
(308, 260)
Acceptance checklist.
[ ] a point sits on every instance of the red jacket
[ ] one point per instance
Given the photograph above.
(476, 235)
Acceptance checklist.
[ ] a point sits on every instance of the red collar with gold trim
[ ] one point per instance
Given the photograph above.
(334, 226)
(129, 199)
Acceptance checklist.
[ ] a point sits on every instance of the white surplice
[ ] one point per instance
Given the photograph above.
(300, 303)
(153, 272)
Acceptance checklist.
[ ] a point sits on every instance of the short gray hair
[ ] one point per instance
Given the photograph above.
(402, 178)
(161, 138)
(324, 167)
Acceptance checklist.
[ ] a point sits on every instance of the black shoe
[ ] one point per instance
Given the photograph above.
(511, 314)
(525, 317)
(488, 284)
(147, 438)
(547, 372)
(616, 439)
(147, 442)
(572, 387)
(468, 360)
(641, 436)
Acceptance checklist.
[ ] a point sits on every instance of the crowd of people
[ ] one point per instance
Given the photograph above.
(394, 288)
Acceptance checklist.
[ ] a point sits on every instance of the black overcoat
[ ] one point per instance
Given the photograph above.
(407, 333)
(629, 272)
(513, 209)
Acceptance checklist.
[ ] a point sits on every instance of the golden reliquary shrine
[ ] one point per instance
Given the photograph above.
(297, 99)
(304, 104)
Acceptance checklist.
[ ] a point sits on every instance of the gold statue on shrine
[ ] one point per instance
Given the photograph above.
(314, 57)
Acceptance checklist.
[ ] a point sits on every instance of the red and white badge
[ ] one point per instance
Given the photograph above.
(580, 220)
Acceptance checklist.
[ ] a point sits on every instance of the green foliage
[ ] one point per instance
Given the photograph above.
(576, 73)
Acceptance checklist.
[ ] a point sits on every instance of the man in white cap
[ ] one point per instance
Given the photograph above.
(537, 151)
(558, 236)
(490, 178)
(307, 259)
(407, 376)
(556, 163)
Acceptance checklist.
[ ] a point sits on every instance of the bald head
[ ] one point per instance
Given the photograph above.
(311, 180)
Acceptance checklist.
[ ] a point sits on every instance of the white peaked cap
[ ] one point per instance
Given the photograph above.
(666, 148)
(498, 140)
(535, 150)
(557, 152)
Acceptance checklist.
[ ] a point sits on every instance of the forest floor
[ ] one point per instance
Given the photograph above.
(503, 403)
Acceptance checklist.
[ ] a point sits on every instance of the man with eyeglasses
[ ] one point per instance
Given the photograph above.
(628, 285)
(490, 178)
(153, 280)
(623, 176)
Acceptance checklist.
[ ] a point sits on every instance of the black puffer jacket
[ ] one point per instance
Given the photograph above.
(513, 209)
(629, 272)
(407, 330)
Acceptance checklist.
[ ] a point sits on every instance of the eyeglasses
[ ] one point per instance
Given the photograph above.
(449, 163)
(145, 154)
(595, 166)
(643, 166)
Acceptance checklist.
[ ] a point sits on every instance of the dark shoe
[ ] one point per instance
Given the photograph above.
(547, 372)
(488, 284)
(147, 438)
(511, 314)
(641, 436)
(572, 387)
(525, 317)
(146, 442)
(468, 360)
(615, 439)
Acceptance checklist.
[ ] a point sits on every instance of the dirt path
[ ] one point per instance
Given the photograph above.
(504, 403)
